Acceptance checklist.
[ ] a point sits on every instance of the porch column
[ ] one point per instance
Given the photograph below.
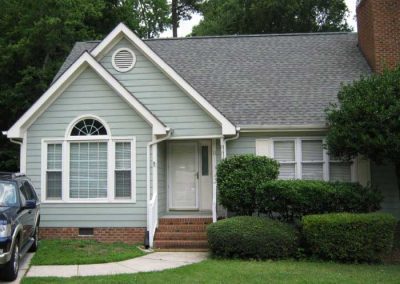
(214, 179)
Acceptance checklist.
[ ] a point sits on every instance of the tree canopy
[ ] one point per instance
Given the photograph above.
(366, 120)
(36, 36)
(182, 10)
(224, 17)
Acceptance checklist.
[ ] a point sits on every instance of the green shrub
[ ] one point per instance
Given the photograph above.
(349, 237)
(251, 237)
(292, 199)
(238, 178)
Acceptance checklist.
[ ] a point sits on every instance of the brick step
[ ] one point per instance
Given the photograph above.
(173, 244)
(180, 236)
(182, 228)
(186, 221)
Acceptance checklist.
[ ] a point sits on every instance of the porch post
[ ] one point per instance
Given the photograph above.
(155, 178)
(214, 179)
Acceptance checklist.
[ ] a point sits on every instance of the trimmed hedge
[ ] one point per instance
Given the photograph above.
(238, 178)
(349, 237)
(292, 199)
(251, 237)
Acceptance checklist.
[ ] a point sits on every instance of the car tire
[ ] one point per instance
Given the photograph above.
(35, 244)
(9, 272)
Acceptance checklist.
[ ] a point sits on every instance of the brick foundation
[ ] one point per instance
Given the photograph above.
(106, 235)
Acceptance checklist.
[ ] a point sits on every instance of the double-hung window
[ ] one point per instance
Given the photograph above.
(123, 169)
(88, 165)
(304, 158)
(54, 171)
(312, 159)
(285, 154)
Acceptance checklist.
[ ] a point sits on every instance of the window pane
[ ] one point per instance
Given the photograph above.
(312, 150)
(287, 171)
(88, 127)
(313, 171)
(204, 160)
(123, 184)
(284, 151)
(88, 170)
(340, 171)
(54, 156)
(123, 155)
(53, 185)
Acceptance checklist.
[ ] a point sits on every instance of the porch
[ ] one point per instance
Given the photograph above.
(182, 197)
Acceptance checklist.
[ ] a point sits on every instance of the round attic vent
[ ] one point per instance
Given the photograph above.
(123, 60)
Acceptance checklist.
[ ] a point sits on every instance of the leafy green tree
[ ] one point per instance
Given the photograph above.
(223, 17)
(366, 120)
(182, 10)
(36, 36)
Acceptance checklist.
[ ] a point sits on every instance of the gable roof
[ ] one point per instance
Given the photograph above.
(65, 79)
(264, 81)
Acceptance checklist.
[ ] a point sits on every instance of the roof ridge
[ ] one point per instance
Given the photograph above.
(253, 35)
(238, 36)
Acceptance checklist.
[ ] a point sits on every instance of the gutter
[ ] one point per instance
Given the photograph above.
(285, 128)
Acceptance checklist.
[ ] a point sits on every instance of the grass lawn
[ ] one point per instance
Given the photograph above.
(52, 252)
(235, 271)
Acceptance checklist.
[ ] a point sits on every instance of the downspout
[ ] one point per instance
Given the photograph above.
(148, 181)
(223, 142)
(223, 156)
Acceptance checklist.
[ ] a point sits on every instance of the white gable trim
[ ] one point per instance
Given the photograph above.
(85, 60)
(227, 127)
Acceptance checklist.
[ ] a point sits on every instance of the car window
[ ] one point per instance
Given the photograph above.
(8, 196)
(30, 190)
(27, 191)
(23, 194)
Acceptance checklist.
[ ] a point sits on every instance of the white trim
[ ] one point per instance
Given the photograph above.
(298, 156)
(214, 179)
(125, 69)
(196, 137)
(110, 169)
(85, 60)
(83, 117)
(121, 30)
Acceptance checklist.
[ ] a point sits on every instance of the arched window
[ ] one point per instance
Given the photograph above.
(88, 127)
(97, 165)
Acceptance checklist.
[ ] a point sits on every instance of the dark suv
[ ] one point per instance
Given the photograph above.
(19, 222)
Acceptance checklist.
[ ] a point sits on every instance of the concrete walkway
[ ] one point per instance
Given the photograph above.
(152, 262)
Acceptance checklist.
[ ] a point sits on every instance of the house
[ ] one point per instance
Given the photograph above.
(127, 137)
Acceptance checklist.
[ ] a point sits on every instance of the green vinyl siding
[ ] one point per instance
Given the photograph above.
(161, 96)
(96, 98)
(384, 178)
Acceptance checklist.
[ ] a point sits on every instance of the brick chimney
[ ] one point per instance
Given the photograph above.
(378, 23)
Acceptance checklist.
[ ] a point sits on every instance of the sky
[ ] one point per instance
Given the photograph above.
(186, 26)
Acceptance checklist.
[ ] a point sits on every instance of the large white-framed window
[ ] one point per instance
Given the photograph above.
(305, 158)
(89, 164)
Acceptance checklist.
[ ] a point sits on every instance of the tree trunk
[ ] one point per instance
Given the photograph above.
(175, 21)
(397, 168)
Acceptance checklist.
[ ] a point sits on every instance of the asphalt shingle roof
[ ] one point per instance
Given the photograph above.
(286, 79)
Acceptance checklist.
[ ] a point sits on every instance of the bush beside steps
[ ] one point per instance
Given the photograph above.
(349, 237)
(251, 237)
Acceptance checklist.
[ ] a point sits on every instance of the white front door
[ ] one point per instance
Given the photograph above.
(183, 175)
